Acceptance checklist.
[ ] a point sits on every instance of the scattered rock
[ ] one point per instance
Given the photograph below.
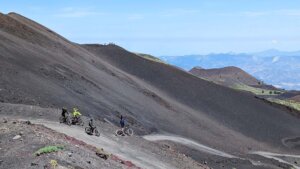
(89, 162)
(295, 162)
(40, 114)
(205, 162)
(70, 154)
(166, 146)
(1, 161)
(21, 133)
(33, 164)
(17, 137)
(14, 122)
(100, 153)
(4, 120)
(27, 122)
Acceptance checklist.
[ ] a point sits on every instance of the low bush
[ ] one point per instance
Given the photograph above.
(48, 149)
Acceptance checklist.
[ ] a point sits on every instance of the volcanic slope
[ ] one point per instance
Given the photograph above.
(203, 103)
(40, 67)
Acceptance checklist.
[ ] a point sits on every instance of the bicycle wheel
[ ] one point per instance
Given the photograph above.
(61, 119)
(88, 131)
(119, 132)
(129, 132)
(80, 122)
(97, 133)
(69, 121)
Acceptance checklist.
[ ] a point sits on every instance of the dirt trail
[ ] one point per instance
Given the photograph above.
(189, 143)
(203, 148)
(111, 144)
(277, 156)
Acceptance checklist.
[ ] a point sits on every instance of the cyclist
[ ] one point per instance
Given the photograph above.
(76, 113)
(122, 122)
(64, 113)
(91, 125)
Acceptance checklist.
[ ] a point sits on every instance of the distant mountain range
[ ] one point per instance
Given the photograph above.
(281, 69)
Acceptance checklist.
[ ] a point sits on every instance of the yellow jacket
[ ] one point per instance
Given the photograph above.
(76, 113)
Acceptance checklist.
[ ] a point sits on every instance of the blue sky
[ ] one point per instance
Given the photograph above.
(171, 27)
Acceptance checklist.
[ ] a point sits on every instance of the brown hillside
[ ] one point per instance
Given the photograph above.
(227, 76)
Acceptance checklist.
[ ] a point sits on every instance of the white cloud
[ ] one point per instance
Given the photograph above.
(274, 41)
(135, 17)
(291, 12)
(255, 14)
(278, 86)
(71, 12)
(290, 84)
(179, 12)
(282, 12)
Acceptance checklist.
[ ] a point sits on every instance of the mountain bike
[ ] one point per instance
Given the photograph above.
(125, 131)
(67, 120)
(91, 131)
(77, 121)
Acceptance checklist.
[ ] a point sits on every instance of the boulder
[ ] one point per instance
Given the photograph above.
(102, 154)
(4, 120)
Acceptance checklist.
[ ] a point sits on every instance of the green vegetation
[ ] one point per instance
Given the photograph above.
(290, 103)
(48, 149)
(150, 57)
(256, 91)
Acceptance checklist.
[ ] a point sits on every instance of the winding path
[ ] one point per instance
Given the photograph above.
(111, 144)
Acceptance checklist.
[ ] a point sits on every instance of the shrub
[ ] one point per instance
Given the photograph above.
(48, 149)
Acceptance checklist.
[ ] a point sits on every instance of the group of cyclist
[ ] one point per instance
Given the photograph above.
(77, 115)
